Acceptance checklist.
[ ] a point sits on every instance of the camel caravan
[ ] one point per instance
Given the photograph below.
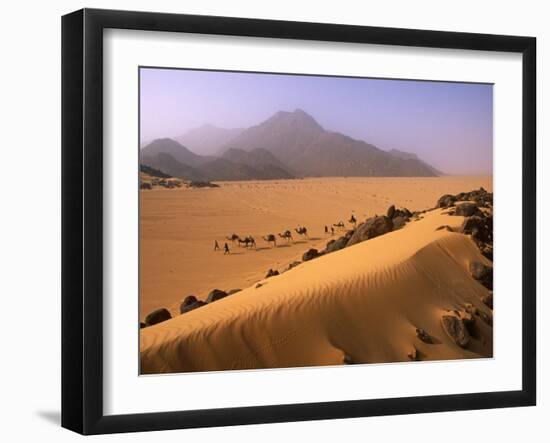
(249, 241)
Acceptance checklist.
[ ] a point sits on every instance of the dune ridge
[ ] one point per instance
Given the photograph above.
(361, 304)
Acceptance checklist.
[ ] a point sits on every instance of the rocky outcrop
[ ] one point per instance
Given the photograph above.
(215, 295)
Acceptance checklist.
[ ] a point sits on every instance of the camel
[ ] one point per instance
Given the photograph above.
(248, 240)
(352, 220)
(340, 225)
(270, 238)
(301, 230)
(233, 238)
(286, 235)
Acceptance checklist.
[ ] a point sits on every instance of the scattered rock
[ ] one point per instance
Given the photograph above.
(480, 228)
(467, 209)
(423, 335)
(216, 294)
(145, 185)
(189, 303)
(470, 309)
(258, 285)
(486, 317)
(445, 201)
(446, 227)
(398, 222)
(482, 273)
(157, 316)
(456, 330)
(310, 254)
(371, 228)
(486, 251)
(271, 273)
(292, 265)
(336, 245)
(202, 184)
(488, 300)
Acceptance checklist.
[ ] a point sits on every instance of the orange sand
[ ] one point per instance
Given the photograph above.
(365, 301)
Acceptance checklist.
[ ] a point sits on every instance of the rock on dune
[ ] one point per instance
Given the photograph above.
(456, 330)
(310, 254)
(216, 294)
(467, 209)
(157, 316)
(371, 228)
(482, 273)
(189, 303)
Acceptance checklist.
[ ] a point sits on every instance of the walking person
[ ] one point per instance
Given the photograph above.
(326, 229)
(216, 245)
(226, 249)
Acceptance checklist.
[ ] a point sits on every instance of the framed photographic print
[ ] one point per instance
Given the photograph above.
(269, 221)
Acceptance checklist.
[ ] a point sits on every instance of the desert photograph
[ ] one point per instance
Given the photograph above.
(294, 221)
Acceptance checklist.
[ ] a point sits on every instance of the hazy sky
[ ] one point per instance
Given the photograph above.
(449, 125)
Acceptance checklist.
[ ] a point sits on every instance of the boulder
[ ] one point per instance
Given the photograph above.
(216, 294)
(371, 228)
(398, 222)
(486, 251)
(423, 335)
(445, 201)
(467, 209)
(480, 228)
(191, 306)
(391, 211)
(336, 245)
(456, 330)
(482, 273)
(293, 265)
(310, 254)
(271, 273)
(142, 325)
(157, 316)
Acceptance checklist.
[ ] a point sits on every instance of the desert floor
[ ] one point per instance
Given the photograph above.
(179, 227)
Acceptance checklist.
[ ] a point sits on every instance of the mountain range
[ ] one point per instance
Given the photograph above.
(287, 145)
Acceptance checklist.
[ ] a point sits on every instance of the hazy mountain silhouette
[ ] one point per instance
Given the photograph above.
(300, 143)
(286, 145)
(207, 139)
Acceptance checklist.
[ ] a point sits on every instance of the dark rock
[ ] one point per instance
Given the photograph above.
(258, 285)
(157, 316)
(482, 273)
(391, 211)
(456, 330)
(467, 209)
(470, 309)
(310, 254)
(446, 227)
(191, 306)
(142, 325)
(215, 295)
(423, 335)
(371, 228)
(145, 185)
(445, 201)
(272, 273)
(486, 317)
(336, 245)
(488, 300)
(293, 265)
(480, 228)
(487, 251)
(398, 222)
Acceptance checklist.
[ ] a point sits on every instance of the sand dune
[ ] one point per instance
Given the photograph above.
(179, 226)
(364, 302)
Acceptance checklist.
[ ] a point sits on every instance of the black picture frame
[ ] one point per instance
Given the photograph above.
(82, 218)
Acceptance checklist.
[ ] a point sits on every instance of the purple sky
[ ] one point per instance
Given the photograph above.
(449, 125)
